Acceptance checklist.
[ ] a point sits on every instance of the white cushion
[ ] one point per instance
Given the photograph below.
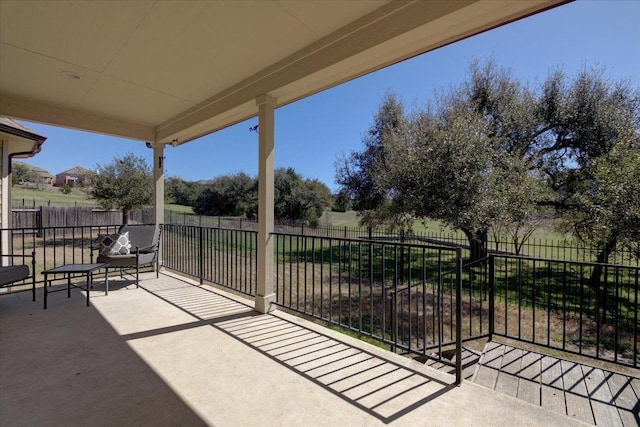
(114, 244)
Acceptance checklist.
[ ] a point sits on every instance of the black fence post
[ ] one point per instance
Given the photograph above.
(39, 222)
(393, 311)
(33, 276)
(458, 316)
(201, 255)
(492, 294)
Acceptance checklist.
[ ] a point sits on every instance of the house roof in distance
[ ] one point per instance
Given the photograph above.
(76, 170)
(23, 142)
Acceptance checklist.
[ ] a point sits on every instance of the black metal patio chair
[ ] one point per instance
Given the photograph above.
(134, 246)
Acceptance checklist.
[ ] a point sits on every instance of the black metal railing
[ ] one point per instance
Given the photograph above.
(225, 257)
(563, 249)
(584, 308)
(53, 246)
(390, 292)
(412, 297)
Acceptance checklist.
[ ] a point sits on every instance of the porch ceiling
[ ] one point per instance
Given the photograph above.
(167, 70)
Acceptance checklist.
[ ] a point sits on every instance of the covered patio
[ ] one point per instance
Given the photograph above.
(166, 73)
(175, 353)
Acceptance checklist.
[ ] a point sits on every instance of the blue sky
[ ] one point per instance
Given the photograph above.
(312, 133)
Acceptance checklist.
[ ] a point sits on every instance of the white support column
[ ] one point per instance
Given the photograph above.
(5, 202)
(265, 295)
(158, 188)
(158, 178)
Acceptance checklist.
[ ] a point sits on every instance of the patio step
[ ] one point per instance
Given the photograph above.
(587, 393)
(470, 359)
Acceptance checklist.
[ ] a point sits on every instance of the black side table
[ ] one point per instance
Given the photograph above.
(70, 269)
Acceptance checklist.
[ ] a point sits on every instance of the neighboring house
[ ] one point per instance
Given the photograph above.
(39, 177)
(16, 141)
(45, 179)
(71, 177)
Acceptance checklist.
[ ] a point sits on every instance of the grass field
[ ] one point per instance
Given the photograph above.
(545, 242)
(52, 196)
(31, 197)
(351, 219)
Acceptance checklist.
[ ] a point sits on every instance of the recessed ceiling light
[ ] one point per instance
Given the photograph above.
(71, 75)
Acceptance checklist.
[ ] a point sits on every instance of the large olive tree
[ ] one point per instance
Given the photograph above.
(125, 184)
(492, 155)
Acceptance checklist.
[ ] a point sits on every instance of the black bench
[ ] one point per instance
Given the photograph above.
(10, 274)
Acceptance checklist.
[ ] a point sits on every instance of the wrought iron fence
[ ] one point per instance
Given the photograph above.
(53, 246)
(222, 256)
(404, 295)
(388, 291)
(584, 308)
(413, 297)
(563, 249)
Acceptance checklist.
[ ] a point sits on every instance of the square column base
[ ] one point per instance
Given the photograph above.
(265, 304)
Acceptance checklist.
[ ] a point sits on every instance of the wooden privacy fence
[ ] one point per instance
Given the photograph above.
(48, 216)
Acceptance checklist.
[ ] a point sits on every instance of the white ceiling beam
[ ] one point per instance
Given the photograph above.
(370, 35)
(33, 111)
(374, 28)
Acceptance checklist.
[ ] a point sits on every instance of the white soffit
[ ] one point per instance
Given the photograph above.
(161, 70)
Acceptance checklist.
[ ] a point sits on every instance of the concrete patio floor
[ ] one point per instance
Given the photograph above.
(171, 353)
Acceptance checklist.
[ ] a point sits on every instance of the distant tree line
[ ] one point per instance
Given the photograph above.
(296, 198)
(494, 156)
(125, 184)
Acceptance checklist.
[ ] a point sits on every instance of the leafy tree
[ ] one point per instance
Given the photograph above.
(491, 156)
(610, 211)
(318, 198)
(341, 201)
(232, 195)
(182, 192)
(606, 213)
(453, 161)
(125, 184)
(237, 195)
(589, 155)
(359, 173)
(516, 197)
(298, 198)
(65, 189)
(22, 172)
(356, 173)
(438, 169)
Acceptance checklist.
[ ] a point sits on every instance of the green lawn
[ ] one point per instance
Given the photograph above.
(178, 208)
(52, 196)
(48, 196)
(351, 219)
(545, 242)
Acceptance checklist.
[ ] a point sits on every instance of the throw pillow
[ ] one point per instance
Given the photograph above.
(114, 244)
